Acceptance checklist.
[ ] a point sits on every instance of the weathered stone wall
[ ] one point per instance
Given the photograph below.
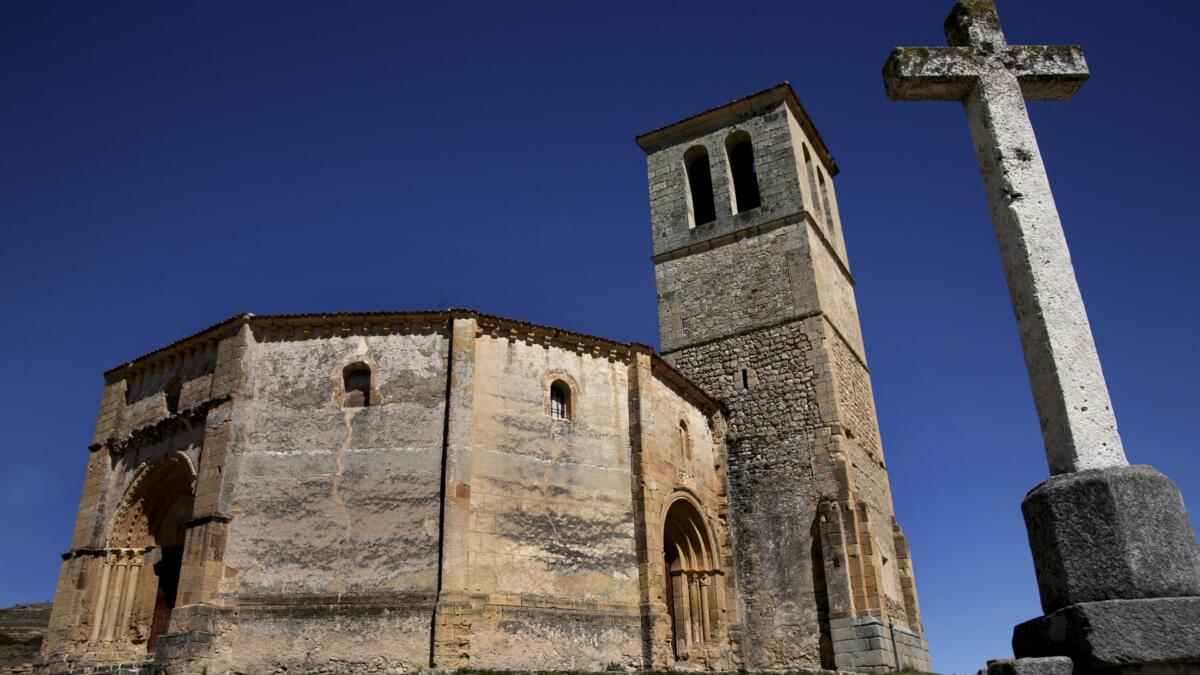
(552, 571)
(732, 288)
(334, 538)
(672, 466)
(770, 445)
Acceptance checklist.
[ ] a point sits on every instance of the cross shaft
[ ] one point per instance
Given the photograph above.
(993, 79)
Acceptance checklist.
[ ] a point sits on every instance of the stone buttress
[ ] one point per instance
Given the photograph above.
(756, 304)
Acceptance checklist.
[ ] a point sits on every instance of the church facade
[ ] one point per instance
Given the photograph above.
(406, 490)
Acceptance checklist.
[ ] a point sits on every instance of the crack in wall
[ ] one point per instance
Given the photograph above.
(340, 464)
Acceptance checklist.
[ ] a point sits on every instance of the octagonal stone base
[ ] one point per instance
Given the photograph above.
(1106, 534)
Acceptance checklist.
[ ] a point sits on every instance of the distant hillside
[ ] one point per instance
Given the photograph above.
(21, 630)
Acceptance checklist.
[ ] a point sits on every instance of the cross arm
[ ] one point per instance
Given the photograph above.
(949, 73)
(930, 73)
(1048, 72)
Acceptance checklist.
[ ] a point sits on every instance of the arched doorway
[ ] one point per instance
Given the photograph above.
(691, 580)
(140, 578)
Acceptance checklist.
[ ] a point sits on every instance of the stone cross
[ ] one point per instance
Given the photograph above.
(993, 79)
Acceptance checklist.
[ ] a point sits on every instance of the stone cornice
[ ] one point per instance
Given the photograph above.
(753, 231)
(186, 420)
(210, 518)
(272, 327)
(724, 115)
(207, 337)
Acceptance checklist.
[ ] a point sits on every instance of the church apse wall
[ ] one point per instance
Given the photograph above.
(550, 569)
(401, 489)
(336, 503)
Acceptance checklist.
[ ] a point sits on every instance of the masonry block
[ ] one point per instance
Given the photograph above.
(1117, 634)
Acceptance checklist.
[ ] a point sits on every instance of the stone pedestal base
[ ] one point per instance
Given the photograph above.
(1118, 635)
(1118, 572)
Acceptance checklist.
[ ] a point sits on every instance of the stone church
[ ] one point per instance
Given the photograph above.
(401, 490)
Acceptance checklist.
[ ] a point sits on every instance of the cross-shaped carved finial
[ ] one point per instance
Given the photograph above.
(977, 48)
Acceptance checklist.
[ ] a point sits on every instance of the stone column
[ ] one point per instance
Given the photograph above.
(114, 599)
(134, 565)
(704, 581)
(101, 598)
(682, 618)
(694, 608)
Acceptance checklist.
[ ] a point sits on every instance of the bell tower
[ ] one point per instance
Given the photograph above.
(756, 304)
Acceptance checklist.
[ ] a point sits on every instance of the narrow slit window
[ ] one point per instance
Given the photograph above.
(743, 172)
(356, 380)
(700, 189)
(560, 401)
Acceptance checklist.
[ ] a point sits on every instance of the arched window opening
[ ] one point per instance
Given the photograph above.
(685, 440)
(691, 578)
(560, 400)
(173, 391)
(356, 383)
(700, 188)
(743, 172)
(825, 203)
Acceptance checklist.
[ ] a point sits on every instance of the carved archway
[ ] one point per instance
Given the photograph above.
(143, 557)
(691, 577)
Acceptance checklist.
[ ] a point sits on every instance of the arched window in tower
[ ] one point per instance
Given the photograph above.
(173, 391)
(742, 171)
(825, 202)
(685, 440)
(560, 400)
(700, 188)
(356, 385)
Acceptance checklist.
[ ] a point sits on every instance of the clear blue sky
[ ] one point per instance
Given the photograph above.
(166, 165)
